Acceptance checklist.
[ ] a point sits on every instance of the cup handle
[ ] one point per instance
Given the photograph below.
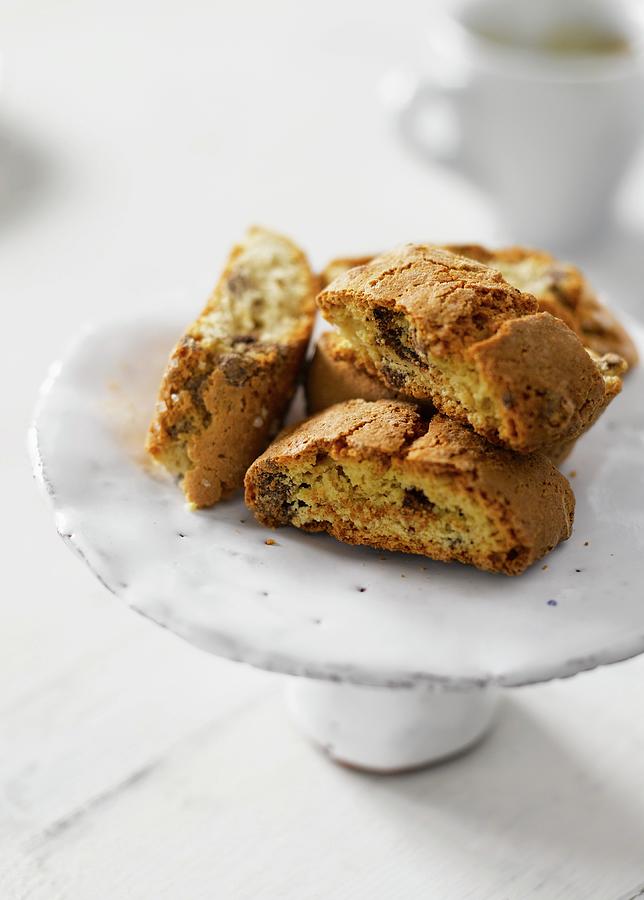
(424, 114)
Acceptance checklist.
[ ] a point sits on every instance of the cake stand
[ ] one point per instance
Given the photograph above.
(399, 659)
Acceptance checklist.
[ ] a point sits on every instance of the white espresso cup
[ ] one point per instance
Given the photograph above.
(546, 106)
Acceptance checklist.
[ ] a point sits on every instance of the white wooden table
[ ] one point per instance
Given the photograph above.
(136, 142)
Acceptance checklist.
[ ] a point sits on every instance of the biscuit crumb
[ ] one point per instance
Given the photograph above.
(270, 542)
(572, 473)
(258, 422)
(544, 567)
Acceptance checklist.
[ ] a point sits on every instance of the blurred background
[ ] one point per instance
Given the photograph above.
(137, 141)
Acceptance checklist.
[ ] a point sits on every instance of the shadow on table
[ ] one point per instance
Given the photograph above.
(26, 174)
(524, 794)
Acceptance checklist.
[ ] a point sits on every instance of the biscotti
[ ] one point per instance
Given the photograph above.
(381, 475)
(451, 331)
(335, 374)
(231, 377)
(559, 288)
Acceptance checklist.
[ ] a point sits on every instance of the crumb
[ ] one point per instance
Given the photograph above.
(544, 567)
(180, 533)
(577, 570)
(402, 576)
(586, 543)
(572, 473)
(383, 558)
(362, 589)
(270, 542)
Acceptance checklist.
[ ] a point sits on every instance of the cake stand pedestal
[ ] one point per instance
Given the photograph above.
(400, 659)
(389, 730)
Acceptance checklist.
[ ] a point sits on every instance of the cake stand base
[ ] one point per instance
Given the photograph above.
(390, 730)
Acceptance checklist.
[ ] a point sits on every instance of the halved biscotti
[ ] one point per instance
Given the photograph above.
(559, 288)
(230, 378)
(380, 474)
(335, 374)
(448, 330)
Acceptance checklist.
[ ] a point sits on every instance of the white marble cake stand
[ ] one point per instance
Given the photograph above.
(401, 657)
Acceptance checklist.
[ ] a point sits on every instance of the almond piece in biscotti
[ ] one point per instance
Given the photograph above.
(336, 374)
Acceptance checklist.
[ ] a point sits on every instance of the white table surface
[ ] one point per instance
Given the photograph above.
(136, 142)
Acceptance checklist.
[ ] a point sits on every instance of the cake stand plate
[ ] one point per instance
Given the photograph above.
(400, 658)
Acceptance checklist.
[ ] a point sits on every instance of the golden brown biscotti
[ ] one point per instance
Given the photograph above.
(559, 288)
(230, 378)
(380, 474)
(451, 331)
(335, 374)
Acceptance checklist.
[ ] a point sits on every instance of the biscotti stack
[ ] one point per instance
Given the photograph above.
(512, 386)
(454, 381)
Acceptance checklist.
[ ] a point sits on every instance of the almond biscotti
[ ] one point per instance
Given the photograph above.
(559, 288)
(380, 474)
(451, 331)
(335, 374)
(230, 378)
